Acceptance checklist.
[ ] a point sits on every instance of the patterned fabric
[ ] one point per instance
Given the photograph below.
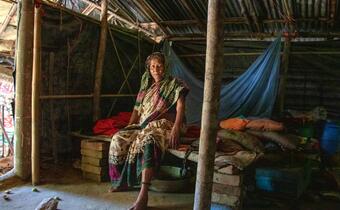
(134, 149)
(155, 99)
(141, 146)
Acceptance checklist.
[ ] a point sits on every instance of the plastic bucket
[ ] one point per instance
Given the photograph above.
(330, 138)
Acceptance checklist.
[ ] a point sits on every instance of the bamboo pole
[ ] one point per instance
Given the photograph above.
(2, 126)
(35, 96)
(52, 113)
(260, 53)
(84, 96)
(2, 134)
(100, 61)
(284, 71)
(213, 71)
(23, 91)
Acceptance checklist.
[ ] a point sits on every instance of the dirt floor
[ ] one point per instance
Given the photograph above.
(79, 194)
(76, 193)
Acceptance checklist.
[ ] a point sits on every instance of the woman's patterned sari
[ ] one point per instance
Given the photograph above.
(141, 146)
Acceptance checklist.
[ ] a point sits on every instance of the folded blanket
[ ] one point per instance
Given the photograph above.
(246, 140)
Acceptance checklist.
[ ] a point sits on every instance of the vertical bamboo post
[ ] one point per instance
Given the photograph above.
(100, 61)
(35, 156)
(23, 90)
(2, 134)
(283, 76)
(213, 70)
(51, 102)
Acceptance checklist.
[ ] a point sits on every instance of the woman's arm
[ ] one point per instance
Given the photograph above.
(175, 132)
(134, 119)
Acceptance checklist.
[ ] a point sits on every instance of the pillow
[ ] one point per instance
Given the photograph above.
(234, 124)
(265, 125)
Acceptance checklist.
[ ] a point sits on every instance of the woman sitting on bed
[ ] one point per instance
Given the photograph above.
(136, 151)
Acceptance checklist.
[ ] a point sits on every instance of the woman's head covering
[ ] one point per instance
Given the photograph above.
(169, 89)
(147, 78)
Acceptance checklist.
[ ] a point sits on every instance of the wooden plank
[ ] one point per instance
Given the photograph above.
(227, 189)
(230, 169)
(95, 177)
(94, 161)
(229, 200)
(94, 169)
(95, 145)
(233, 180)
(93, 153)
(100, 138)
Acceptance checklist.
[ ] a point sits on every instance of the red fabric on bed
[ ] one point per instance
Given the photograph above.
(111, 125)
(193, 131)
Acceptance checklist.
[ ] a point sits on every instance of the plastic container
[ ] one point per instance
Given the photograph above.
(307, 131)
(330, 138)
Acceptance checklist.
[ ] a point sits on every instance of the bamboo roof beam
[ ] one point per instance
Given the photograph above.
(245, 15)
(8, 18)
(10, 1)
(123, 20)
(88, 9)
(332, 12)
(260, 53)
(242, 35)
(178, 22)
(191, 11)
(149, 11)
(290, 20)
(229, 20)
(240, 20)
(255, 18)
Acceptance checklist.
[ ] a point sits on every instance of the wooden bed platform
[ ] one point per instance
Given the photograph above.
(227, 182)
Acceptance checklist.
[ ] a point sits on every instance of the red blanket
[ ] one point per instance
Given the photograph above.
(111, 125)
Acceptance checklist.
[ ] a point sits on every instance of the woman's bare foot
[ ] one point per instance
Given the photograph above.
(117, 189)
(140, 204)
(142, 200)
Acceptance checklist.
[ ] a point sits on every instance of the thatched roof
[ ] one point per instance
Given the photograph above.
(186, 19)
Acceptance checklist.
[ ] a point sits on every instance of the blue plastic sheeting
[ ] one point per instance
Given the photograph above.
(251, 94)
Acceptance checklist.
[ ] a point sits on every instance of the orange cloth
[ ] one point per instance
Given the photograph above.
(234, 124)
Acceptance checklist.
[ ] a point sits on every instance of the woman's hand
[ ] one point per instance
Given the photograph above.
(175, 132)
(174, 137)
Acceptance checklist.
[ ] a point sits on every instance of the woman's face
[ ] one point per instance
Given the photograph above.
(156, 69)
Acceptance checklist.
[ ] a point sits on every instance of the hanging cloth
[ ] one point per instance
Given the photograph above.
(252, 94)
